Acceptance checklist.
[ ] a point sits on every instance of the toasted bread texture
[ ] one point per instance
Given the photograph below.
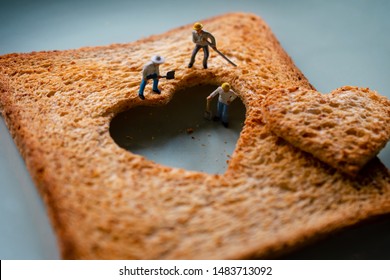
(107, 203)
(344, 129)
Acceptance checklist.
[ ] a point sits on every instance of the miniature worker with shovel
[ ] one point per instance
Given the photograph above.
(200, 38)
(151, 70)
(203, 39)
(226, 96)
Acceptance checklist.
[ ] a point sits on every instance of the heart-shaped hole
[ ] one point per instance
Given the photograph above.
(178, 135)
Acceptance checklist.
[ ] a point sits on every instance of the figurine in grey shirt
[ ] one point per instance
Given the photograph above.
(151, 70)
(200, 38)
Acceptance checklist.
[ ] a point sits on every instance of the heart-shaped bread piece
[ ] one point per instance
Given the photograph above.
(344, 129)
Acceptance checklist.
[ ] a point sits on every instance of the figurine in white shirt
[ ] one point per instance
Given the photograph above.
(226, 96)
(201, 39)
(151, 70)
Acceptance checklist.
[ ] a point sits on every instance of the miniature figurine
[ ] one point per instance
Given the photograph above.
(151, 71)
(226, 96)
(199, 37)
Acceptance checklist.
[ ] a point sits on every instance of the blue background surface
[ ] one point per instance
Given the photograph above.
(334, 43)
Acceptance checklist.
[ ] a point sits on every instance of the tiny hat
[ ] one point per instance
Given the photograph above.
(158, 59)
(198, 26)
(225, 87)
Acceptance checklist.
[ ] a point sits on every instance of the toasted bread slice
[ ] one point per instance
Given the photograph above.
(108, 203)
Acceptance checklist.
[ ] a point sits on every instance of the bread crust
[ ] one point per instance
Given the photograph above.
(107, 203)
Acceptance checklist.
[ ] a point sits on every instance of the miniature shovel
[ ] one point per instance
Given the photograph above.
(170, 75)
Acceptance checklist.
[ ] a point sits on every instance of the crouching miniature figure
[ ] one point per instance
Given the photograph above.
(151, 71)
(226, 96)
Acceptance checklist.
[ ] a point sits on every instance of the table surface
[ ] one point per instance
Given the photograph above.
(334, 43)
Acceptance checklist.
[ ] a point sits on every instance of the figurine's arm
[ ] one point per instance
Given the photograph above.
(212, 38)
(194, 37)
(214, 93)
(232, 96)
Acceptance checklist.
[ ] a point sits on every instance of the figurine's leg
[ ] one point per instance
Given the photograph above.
(141, 89)
(205, 56)
(225, 115)
(194, 52)
(219, 110)
(155, 86)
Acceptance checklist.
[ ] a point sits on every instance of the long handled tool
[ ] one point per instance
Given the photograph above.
(221, 54)
(208, 115)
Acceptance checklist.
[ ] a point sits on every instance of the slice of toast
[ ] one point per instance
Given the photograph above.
(107, 203)
(344, 129)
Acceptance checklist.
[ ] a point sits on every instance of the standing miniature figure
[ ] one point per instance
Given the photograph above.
(226, 96)
(151, 71)
(200, 38)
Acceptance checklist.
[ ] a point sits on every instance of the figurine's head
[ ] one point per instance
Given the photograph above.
(198, 27)
(158, 59)
(225, 87)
